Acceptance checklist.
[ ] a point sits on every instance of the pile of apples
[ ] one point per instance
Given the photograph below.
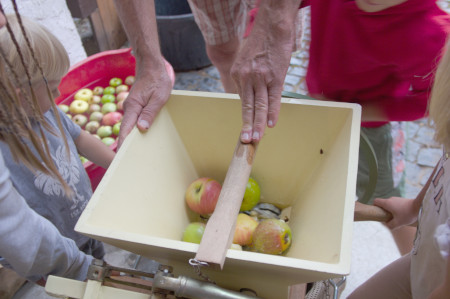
(255, 231)
(99, 111)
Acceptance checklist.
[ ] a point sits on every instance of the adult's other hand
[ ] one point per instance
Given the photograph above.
(261, 66)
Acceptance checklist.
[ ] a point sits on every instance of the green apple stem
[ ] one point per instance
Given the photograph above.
(219, 230)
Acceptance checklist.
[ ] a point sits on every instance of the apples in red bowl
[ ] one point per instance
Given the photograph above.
(93, 91)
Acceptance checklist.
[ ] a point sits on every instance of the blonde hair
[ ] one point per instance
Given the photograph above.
(440, 101)
(30, 55)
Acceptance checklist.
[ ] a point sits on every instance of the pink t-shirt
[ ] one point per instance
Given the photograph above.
(386, 57)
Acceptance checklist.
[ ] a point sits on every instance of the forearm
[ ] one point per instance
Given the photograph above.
(94, 150)
(138, 19)
(276, 19)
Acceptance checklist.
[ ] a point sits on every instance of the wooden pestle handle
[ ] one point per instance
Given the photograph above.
(219, 230)
(365, 212)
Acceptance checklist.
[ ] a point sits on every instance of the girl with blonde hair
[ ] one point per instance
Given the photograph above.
(39, 161)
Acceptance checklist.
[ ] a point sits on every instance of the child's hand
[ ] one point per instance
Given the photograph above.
(402, 210)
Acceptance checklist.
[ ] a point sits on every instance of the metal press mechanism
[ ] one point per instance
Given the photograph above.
(104, 281)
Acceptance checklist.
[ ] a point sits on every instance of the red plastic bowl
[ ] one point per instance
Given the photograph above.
(97, 70)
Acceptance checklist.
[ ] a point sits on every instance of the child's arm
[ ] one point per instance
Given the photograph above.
(403, 210)
(94, 149)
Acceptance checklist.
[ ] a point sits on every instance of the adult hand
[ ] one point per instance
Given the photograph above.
(261, 66)
(147, 96)
(153, 83)
(402, 209)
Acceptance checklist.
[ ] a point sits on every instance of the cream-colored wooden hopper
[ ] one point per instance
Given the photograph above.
(307, 162)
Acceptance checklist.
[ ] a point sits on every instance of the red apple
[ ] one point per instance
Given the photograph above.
(121, 96)
(271, 236)
(111, 118)
(245, 226)
(202, 195)
(120, 105)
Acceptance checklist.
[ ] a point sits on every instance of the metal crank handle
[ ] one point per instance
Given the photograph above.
(186, 287)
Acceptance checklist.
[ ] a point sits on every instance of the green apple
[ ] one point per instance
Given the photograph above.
(108, 107)
(96, 116)
(109, 90)
(121, 88)
(271, 236)
(116, 129)
(92, 126)
(98, 91)
(251, 196)
(84, 94)
(108, 98)
(108, 140)
(104, 131)
(193, 233)
(78, 107)
(94, 108)
(83, 159)
(129, 80)
(96, 99)
(64, 108)
(115, 82)
(80, 119)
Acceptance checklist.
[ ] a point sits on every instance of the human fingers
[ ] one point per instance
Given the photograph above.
(386, 204)
(248, 101)
(274, 106)
(132, 110)
(151, 110)
(260, 110)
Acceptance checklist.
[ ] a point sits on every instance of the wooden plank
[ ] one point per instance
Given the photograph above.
(219, 230)
(107, 27)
